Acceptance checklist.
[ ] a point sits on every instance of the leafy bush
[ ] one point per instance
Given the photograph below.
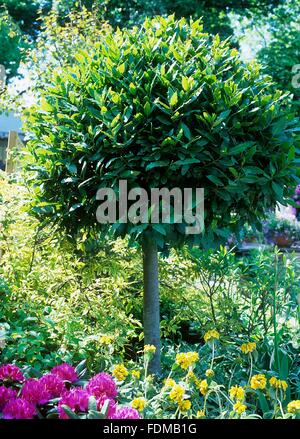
(62, 299)
(154, 118)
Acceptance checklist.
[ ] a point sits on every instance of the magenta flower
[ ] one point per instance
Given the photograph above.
(126, 413)
(19, 409)
(66, 372)
(53, 384)
(34, 391)
(5, 395)
(10, 372)
(77, 400)
(101, 385)
(111, 408)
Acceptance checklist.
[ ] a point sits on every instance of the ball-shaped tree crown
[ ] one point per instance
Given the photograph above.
(162, 105)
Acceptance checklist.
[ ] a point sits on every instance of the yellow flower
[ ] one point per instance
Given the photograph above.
(120, 372)
(149, 349)
(237, 392)
(283, 385)
(138, 404)
(258, 381)
(246, 348)
(169, 382)
(294, 406)
(278, 384)
(200, 414)
(211, 335)
(177, 393)
(203, 387)
(239, 408)
(105, 339)
(209, 373)
(186, 359)
(136, 374)
(191, 376)
(184, 405)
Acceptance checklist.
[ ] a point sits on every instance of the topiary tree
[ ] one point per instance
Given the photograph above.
(163, 105)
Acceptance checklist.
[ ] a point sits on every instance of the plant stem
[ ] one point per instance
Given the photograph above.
(151, 303)
(251, 367)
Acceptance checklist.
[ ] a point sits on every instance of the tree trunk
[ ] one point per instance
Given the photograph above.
(151, 302)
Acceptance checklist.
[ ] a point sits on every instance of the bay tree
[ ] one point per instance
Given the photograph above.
(160, 105)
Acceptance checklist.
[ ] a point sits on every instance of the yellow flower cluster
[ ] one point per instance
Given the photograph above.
(239, 408)
(186, 359)
(211, 335)
(105, 339)
(177, 393)
(237, 392)
(247, 348)
(169, 382)
(120, 372)
(294, 407)
(136, 374)
(149, 349)
(138, 404)
(184, 405)
(278, 384)
(209, 373)
(200, 414)
(258, 381)
(202, 386)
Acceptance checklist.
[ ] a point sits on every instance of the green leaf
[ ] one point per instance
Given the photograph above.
(147, 109)
(105, 408)
(92, 403)
(263, 402)
(277, 189)
(186, 131)
(185, 83)
(174, 99)
(132, 88)
(241, 147)
(121, 68)
(158, 164)
(160, 229)
(187, 162)
(215, 180)
(94, 414)
(69, 412)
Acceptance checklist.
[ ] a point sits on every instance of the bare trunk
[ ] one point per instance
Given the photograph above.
(151, 302)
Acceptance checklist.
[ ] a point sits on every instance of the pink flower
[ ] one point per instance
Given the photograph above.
(5, 395)
(19, 409)
(111, 408)
(101, 385)
(126, 413)
(66, 372)
(53, 384)
(77, 400)
(35, 391)
(10, 372)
